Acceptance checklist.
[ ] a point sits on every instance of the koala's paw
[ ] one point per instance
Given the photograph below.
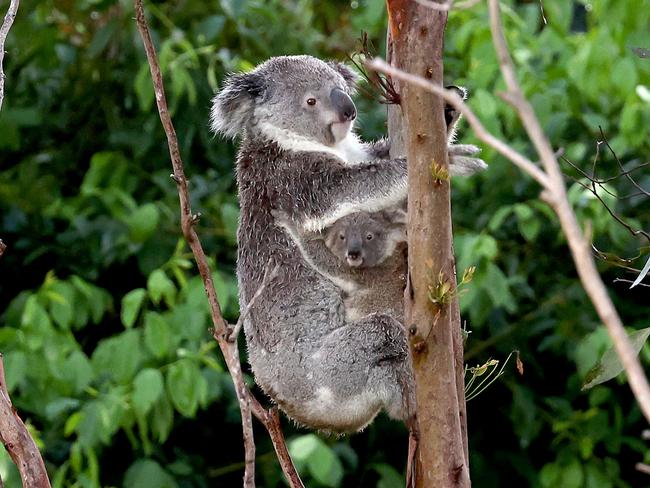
(461, 162)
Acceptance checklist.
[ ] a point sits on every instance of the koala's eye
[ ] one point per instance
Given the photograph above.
(369, 236)
(311, 101)
(341, 236)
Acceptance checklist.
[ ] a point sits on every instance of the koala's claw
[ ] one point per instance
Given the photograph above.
(463, 149)
(460, 161)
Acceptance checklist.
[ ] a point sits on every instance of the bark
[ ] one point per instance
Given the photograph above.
(416, 128)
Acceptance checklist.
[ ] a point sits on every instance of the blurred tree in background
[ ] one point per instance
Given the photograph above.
(105, 322)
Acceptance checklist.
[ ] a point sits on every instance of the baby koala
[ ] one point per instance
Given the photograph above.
(365, 255)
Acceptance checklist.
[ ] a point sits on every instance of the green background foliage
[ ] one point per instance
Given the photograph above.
(105, 323)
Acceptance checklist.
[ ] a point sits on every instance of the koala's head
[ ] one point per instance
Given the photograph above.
(363, 239)
(288, 96)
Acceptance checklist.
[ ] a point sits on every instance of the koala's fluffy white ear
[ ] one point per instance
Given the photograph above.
(350, 77)
(233, 106)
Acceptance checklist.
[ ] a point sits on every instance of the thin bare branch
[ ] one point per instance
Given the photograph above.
(4, 32)
(269, 275)
(18, 442)
(620, 165)
(579, 245)
(481, 132)
(644, 468)
(221, 331)
(622, 280)
(448, 5)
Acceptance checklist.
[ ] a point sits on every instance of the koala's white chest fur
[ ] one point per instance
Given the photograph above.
(350, 150)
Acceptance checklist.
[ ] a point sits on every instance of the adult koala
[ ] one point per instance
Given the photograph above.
(298, 156)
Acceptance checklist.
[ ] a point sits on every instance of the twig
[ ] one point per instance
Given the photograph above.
(18, 442)
(448, 5)
(579, 245)
(4, 31)
(623, 280)
(551, 179)
(481, 132)
(247, 403)
(620, 165)
(268, 277)
(644, 468)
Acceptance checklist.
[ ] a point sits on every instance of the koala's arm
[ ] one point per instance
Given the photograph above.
(312, 247)
(324, 190)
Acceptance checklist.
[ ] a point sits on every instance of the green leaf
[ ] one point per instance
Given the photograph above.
(78, 370)
(572, 475)
(144, 88)
(162, 419)
(131, 303)
(159, 286)
(142, 222)
(389, 477)
(321, 460)
(624, 76)
(157, 335)
(61, 298)
(146, 473)
(528, 224)
(610, 365)
(185, 386)
(147, 388)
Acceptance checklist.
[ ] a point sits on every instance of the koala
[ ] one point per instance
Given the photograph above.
(298, 156)
(365, 255)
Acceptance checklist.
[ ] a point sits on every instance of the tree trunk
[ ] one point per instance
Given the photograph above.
(416, 128)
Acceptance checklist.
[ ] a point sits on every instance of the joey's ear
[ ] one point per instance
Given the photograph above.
(347, 73)
(233, 106)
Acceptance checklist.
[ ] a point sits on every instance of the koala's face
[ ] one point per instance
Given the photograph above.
(289, 96)
(363, 240)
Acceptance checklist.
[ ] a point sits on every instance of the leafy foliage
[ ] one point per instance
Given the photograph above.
(105, 324)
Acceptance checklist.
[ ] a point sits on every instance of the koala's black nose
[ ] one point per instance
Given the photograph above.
(354, 255)
(343, 104)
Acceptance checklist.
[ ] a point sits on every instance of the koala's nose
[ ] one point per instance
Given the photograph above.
(343, 104)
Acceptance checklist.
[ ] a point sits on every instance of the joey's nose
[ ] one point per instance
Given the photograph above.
(343, 105)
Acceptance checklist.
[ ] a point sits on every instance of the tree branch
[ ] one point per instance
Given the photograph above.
(221, 331)
(552, 181)
(18, 441)
(4, 31)
(579, 245)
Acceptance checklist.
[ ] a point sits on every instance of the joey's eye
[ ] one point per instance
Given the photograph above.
(369, 236)
(311, 101)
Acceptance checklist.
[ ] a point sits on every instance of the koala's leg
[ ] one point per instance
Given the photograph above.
(362, 367)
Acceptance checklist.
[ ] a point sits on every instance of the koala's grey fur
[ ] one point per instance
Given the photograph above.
(324, 371)
(299, 157)
(365, 255)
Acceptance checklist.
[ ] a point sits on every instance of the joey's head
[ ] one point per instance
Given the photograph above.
(288, 98)
(366, 240)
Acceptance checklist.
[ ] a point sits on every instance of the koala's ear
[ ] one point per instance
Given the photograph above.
(460, 90)
(396, 217)
(346, 72)
(233, 106)
(452, 116)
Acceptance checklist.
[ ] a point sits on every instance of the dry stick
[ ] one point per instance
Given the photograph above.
(579, 245)
(4, 31)
(554, 192)
(221, 332)
(13, 433)
(19, 443)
